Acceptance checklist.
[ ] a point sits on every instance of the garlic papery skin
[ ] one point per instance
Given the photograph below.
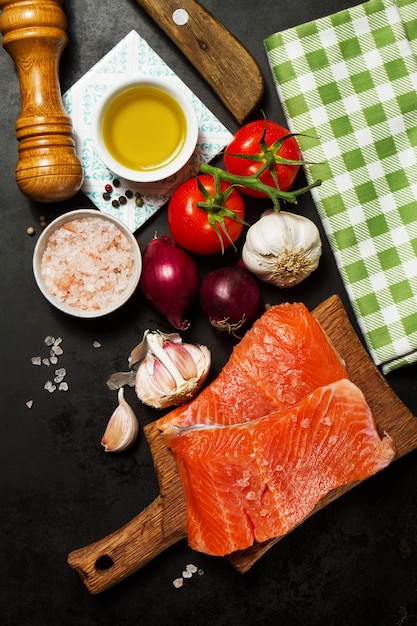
(282, 248)
(123, 427)
(170, 372)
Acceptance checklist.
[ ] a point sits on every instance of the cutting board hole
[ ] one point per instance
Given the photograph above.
(104, 563)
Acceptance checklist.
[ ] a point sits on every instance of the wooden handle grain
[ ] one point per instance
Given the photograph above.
(34, 34)
(115, 557)
(219, 57)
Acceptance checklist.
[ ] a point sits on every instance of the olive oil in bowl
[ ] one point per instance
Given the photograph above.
(144, 130)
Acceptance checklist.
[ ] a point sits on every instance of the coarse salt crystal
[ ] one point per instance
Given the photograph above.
(49, 386)
(49, 340)
(46, 362)
(56, 350)
(178, 582)
(96, 344)
(54, 360)
(191, 568)
(63, 386)
(87, 263)
(36, 360)
(186, 574)
(29, 404)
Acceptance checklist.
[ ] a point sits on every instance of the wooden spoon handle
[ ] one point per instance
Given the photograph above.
(108, 561)
(34, 34)
(219, 57)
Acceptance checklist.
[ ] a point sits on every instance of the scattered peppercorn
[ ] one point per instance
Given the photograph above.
(116, 182)
(30, 230)
(122, 200)
(129, 194)
(139, 201)
(108, 188)
(106, 196)
(115, 203)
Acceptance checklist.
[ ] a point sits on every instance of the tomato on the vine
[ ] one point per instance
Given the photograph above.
(202, 230)
(256, 139)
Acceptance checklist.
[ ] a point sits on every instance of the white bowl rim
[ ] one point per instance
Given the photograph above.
(171, 86)
(41, 245)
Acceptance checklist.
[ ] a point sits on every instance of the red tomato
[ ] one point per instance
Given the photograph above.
(190, 225)
(247, 141)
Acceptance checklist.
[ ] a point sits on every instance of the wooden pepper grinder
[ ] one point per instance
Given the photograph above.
(34, 34)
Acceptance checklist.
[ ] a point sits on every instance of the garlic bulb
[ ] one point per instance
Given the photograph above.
(282, 248)
(170, 372)
(123, 427)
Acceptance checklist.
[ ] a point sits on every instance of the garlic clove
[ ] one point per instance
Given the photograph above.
(123, 427)
(171, 372)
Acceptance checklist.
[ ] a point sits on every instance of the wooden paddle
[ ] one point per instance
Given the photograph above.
(113, 558)
(219, 57)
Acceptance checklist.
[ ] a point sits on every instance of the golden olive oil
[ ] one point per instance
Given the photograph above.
(144, 128)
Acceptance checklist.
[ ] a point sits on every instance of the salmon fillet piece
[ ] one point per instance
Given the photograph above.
(282, 358)
(258, 480)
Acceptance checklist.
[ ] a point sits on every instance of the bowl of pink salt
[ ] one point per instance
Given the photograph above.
(87, 263)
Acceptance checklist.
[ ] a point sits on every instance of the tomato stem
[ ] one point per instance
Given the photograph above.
(253, 182)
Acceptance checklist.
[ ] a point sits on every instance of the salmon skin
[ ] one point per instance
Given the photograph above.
(282, 358)
(257, 480)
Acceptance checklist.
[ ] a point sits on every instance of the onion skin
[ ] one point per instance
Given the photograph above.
(231, 298)
(170, 280)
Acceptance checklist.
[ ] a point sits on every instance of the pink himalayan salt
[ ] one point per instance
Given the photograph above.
(87, 263)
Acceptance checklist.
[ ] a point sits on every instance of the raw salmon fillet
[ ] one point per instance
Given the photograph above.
(255, 481)
(281, 359)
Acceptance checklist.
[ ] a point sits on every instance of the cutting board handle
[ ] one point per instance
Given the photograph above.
(161, 524)
(115, 557)
(221, 59)
(34, 34)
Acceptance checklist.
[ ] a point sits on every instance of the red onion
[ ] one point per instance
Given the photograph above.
(170, 280)
(230, 297)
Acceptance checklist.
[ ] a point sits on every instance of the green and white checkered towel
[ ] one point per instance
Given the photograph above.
(350, 81)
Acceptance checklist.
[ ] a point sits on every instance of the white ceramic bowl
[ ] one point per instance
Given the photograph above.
(110, 297)
(148, 133)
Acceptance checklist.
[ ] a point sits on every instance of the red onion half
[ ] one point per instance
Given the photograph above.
(170, 280)
(230, 297)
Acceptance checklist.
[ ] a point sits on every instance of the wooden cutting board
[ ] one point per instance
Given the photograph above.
(200, 36)
(116, 556)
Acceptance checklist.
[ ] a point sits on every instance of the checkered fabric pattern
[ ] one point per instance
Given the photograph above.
(349, 82)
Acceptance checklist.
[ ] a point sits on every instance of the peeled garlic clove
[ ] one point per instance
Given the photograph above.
(122, 428)
(171, 372)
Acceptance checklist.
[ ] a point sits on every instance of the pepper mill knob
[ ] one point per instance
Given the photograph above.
(34, 34)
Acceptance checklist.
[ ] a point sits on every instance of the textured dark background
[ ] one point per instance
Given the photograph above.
(353, 563)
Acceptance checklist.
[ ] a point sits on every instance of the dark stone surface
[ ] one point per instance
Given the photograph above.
(354, 563)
